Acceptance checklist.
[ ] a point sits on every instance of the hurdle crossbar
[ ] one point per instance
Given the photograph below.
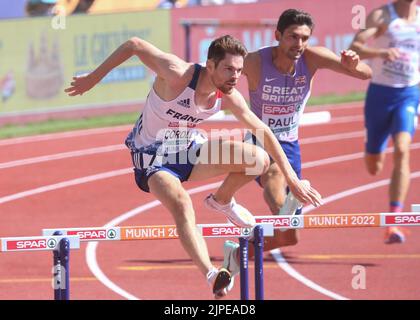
(70, 238)
(44, 243)
(313, 221)
(157, 232)
(351, 220)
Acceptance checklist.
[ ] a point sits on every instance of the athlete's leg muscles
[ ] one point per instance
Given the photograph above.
(400, 179)
(169, 191)
(242, 162)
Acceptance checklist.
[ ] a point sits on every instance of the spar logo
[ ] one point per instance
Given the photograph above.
(51, 243)
(93, 234)
(112, 233)
(33, 244)
(279, 110)
(295, 222)
(403, 219)
(276, 221)
(246, 231)
(223, 231)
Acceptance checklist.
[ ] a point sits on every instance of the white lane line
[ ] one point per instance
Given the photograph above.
(64, 135)
(332, 137)
(92, 246)
(281, 261)
(104, 175)
(65, 184)
(84, 180)
(346, 119)
(126, 128)
(63, 155)
(117, 147)
(283, 264)
(339, 106)
(346, 157)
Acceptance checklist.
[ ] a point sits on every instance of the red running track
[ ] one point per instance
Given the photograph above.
(320, 266)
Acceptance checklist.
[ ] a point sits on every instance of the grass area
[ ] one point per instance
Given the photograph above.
(58, 125)
(9, 131)
(335, 99)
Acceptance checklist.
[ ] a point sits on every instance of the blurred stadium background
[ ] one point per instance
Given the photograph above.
(44, 43)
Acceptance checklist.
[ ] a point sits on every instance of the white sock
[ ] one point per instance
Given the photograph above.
(211, 275)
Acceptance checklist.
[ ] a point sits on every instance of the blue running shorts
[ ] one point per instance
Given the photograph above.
(292, 151)
(389, 111)
(147, 161)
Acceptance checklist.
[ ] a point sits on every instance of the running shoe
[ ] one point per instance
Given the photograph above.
(235, 213)
(394, 235)
(219, 279)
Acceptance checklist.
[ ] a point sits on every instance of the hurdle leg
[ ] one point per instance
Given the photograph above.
(243, 243)
(61, 262)
(57, 275)
(57, 270)
(259, 262)
(65, 264)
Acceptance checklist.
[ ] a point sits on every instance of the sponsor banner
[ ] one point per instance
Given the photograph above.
(342, 220)
(37, 243)
(404, 219)
(224, 231)
(286, 222)
(149, 232)
(39, 57)
(334, 31)
(88, 234)
(96, 234)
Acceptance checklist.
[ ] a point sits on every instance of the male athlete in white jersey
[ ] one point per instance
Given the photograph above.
(182, 96)
(279, 83)
(393, 94)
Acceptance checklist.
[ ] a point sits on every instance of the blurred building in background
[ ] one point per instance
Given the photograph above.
(39, 53)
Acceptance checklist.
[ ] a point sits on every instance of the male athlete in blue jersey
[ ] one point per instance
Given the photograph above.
(393, 95)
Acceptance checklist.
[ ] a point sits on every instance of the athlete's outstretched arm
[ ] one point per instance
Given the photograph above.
(237, 104)
(349, 63)
(376, 24)
(167, 66)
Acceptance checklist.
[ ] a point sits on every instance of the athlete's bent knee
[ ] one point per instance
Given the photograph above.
(374, 166)
(182, 209)
(401, 153)
(266, 162)
(262, 162)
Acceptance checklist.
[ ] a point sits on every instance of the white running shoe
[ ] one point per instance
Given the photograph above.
(236, 214)
(291, 204)
(220, 281)
(230, 257)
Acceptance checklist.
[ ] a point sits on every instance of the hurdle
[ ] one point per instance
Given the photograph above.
(160, 232)
(353, 220)
(60, 246)
(70, 238)
(350, 220)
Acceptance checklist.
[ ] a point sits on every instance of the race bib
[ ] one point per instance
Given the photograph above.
(283, 120)
(176, 137)
(400, 68)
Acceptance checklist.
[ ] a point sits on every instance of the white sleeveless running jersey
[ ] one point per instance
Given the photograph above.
(171, 123)
(404, 71)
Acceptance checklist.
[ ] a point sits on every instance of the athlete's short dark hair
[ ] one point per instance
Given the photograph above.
(226, 44)
(294, 16)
